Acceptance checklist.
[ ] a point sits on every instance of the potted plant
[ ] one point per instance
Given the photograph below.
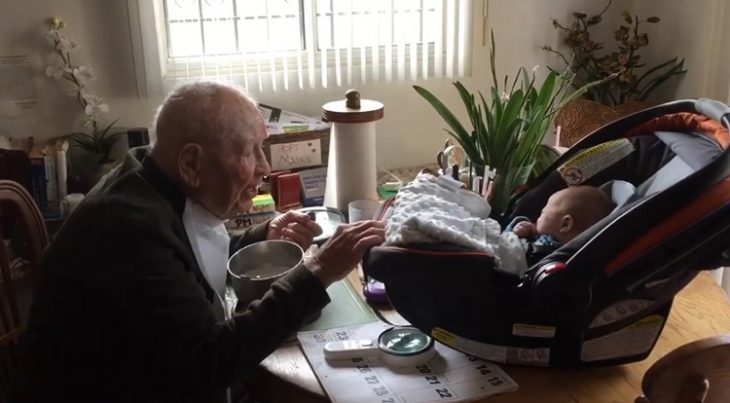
(91, 153)
(633, 80)
(507, 132)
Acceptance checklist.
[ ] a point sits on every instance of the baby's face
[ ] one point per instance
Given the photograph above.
(551, 216)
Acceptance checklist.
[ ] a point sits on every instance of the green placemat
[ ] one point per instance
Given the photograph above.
(384, 194)
(346, 308)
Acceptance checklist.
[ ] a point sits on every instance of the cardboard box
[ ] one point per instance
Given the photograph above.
(295, 142)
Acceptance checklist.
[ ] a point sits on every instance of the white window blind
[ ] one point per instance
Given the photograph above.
(284, 44)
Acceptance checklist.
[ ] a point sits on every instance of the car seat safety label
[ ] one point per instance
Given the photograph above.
(590, 161)
(634, 339)
(620, 310)
(493, 352)
(539, 331)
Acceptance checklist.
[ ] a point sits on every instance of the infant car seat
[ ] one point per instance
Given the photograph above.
(604, 297)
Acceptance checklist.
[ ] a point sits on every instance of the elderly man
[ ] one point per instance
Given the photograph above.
(129, 302)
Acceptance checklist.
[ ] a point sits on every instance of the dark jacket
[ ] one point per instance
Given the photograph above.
(123, 312)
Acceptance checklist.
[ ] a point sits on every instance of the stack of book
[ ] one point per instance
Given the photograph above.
(263, 209)
(48, 171)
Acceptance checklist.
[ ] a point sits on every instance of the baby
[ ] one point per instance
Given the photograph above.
(567, 213)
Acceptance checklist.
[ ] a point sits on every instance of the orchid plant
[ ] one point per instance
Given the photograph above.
(101, 139)
(634, 79)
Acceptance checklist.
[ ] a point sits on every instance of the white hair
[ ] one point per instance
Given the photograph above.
(203, 112)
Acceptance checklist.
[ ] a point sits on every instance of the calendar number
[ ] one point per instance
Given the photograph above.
(443, 393)
(433, 380)
(364, 369)
(382, 391)
(372, 380)
(484, 370)
(423, 368)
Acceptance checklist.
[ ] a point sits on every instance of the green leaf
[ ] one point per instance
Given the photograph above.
(458, 130)
(492, 63)
(657, 68)
(470, 105)
(656, 82)
(544, 158)
(109, 126)
(99, 142)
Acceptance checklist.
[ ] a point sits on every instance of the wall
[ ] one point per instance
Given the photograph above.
(411, 131)
(698, 31)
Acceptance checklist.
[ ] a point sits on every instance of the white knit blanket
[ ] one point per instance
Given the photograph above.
(435, 209)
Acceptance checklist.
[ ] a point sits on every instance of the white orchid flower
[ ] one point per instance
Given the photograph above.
(52, 36)
(504, 97)
(84, 73)
(55, 72)
(535, 69)
(65, 44)
(94, 105)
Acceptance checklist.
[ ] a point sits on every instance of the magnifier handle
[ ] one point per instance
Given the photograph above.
(339, 350)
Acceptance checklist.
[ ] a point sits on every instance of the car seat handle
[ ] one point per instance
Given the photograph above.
(713, 109)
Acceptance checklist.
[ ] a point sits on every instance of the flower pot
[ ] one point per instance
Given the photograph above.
(581, 117)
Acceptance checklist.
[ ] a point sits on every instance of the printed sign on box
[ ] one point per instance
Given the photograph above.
(298, 154)
(313, 184)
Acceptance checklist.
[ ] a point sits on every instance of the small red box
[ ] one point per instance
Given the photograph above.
(289, 191)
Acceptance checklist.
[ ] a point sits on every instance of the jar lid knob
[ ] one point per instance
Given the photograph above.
(353, 99)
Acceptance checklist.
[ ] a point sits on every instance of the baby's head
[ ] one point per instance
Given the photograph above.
(573, 210)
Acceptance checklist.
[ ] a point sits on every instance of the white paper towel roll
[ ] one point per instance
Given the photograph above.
(351, 166)
(351, 173)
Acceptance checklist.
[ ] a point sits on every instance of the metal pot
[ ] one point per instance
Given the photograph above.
(255, 267)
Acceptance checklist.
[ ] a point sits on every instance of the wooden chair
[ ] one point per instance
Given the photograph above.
(19, 207)
(693, 373)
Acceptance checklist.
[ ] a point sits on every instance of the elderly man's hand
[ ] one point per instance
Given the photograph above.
(294, 226)
(345, 249)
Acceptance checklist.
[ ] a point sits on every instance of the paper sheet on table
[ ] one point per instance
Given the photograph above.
(449, 377)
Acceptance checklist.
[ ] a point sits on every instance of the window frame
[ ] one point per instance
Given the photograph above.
(149, 47)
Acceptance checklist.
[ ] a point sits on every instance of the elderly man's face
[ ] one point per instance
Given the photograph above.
(230, 180)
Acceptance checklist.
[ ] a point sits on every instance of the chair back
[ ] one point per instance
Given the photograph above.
(693, 373)
(17, 209)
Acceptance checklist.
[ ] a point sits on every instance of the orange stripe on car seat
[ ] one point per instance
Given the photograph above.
(434, 253)
(695, 210)
(685, 122)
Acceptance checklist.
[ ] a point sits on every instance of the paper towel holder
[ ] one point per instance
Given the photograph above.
(352, 110)
(351, 169)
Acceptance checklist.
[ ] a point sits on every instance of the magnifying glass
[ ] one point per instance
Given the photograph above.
(400, 346)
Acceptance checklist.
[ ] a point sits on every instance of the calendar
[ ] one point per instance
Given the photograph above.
(450, 376)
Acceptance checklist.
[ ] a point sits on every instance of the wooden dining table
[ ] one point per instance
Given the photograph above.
(700, 310)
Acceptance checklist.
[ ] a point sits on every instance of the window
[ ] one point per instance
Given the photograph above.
(315, 43)
(229, 27)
